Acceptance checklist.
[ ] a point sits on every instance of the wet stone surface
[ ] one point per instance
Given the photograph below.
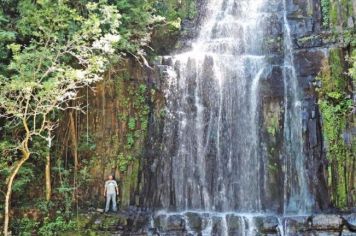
(195, 223)
(136, 222)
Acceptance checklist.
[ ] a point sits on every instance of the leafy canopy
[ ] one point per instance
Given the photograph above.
(63, 51)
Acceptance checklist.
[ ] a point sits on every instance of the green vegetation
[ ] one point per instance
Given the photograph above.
(51, 51)
(325, 12)
(335, 102)
(336, 105)
(335, 14)
(53, 58)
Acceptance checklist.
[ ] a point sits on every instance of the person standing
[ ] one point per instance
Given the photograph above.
(110, 192)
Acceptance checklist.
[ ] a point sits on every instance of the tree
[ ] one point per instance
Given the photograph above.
(64, 51)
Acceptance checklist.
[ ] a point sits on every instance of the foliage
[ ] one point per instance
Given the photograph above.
(53, 58)
(65, 189)
(25, 176)
(49, 50)
(337, 12)
(137, 21)
(137, 123)
(352, 70)
(25, 226)
(335, 105)
(175, 10)
(335, 102)
(86, 143)
(325, 11)
(65, 53)
(53, 227)
(273, 125)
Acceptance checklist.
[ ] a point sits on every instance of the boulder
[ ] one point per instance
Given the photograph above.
(234, 224)
(175, 222)
(327, 222)
(266, 224)
(165, 223)
(297, 224)
(217, 228)
(350, 221)
(160, 222)
(194, 220)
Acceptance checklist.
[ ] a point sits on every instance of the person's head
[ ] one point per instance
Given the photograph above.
(111, 177)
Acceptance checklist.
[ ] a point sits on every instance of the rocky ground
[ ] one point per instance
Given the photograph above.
(139, 222)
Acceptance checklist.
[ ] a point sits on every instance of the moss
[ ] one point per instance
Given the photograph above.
(325, 12)
(272, 120)
(273, 126)
(333, 13)
(335, 104)
(339, 12)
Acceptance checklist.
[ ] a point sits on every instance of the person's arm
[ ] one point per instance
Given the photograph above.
(105, 190)
(117, 189)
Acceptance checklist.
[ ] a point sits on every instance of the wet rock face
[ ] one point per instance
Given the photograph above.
(327, 222)
(304, 16)
(129, 222)
(195, 223)
(308, 62)
(138, 222)
(266, 224)
(297, 224)
(309, 52)
(350, 221)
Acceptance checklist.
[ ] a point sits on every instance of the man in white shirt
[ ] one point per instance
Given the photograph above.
(110, 191)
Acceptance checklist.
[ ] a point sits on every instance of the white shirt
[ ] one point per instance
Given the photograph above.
(110, 186)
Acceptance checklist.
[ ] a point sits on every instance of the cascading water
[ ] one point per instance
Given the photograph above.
(297, 198)
(216, 84)
(213, 159)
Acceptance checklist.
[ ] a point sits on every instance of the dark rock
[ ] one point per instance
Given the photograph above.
(350, 221)
(234, 224)
(194, 221)
(275, 26)
(274, 44)
(313, 136)
(309, 62)
(297, 224)
(175, 222)
(266, 224)
(309, 41)
(217, 225)
(160, 222)
(273, 82)
(326, 222)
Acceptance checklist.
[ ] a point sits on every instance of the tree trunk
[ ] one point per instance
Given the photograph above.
(48, 178)
(48, 168)
(25, 157)
(73, 135)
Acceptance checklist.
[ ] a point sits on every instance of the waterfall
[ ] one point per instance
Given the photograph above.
(214, 149)
(297, 198)
(215, 117)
